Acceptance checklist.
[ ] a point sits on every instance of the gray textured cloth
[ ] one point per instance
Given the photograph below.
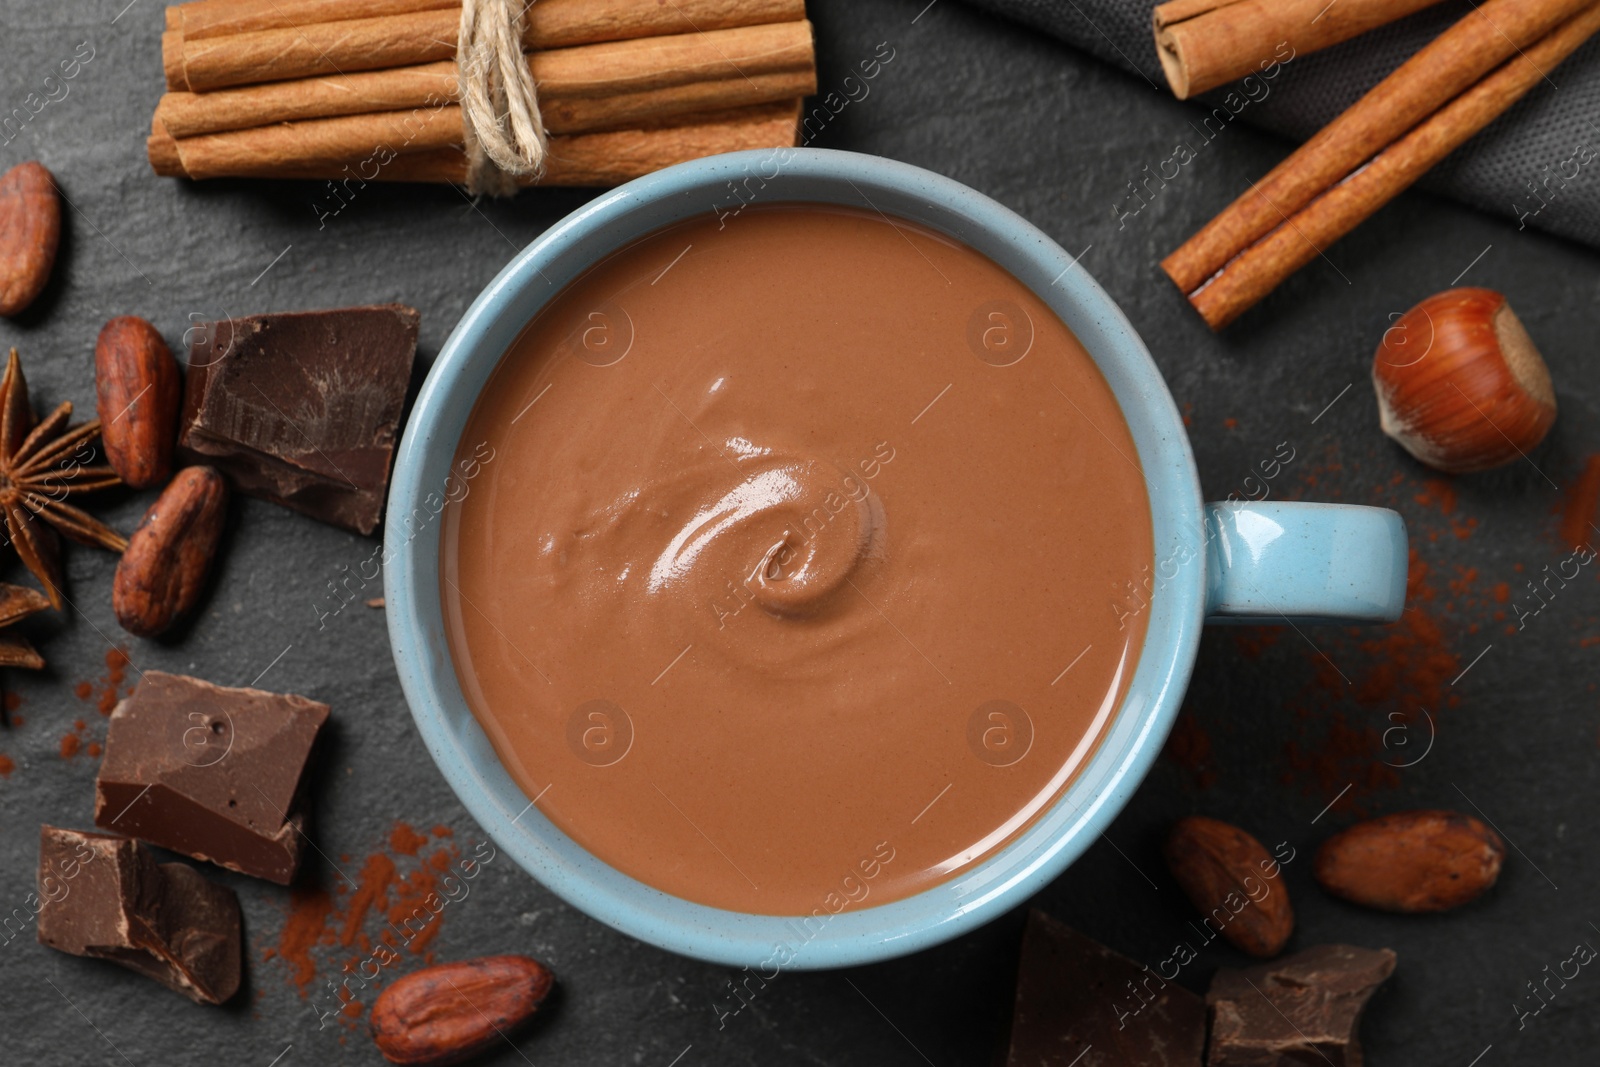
(1538, 164)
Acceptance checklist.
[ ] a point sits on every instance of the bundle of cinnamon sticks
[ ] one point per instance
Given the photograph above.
(1452, 88)
(368, 88)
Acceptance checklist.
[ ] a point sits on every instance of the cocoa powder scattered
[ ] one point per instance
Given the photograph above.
(405, 840)
(1364, 681)
(1580, 506)
(307, 927)
(108, 691)
(1189, 746)
(79, 740)
(328, 934)
(377, 874)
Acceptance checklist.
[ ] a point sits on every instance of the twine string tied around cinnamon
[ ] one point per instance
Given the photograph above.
(505, 137)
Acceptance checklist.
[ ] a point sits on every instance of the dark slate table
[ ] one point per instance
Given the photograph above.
(1270, 737)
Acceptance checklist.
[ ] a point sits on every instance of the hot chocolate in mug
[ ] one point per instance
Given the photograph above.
(1263, 562)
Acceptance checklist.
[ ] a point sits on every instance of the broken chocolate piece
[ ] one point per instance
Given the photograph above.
(302, 409)
(1301, 1009)
(107, 897)
(211, 772)
(1080, 1003)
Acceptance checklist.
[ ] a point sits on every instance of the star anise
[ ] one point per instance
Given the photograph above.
(17, 602)
(39, 469)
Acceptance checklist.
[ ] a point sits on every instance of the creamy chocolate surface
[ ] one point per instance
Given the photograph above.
(787, 559)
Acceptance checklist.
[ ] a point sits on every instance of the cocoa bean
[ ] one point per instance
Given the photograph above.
(162, 574)
(1411, 861)
(1233, 880)
(136, 391)
(30, 229)
(452, 1011)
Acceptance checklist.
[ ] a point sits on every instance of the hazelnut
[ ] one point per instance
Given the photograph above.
(1460, 384)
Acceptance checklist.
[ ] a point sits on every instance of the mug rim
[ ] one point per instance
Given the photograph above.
(1101, 787)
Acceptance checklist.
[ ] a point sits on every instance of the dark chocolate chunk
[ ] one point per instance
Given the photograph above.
(1301, 1009)
(1080, 1003)
(211, 772)
(107, 897)
(302, 409)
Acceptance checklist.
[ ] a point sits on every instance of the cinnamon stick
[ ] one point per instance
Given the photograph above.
(1439, 72)
(408, 39)
(1263, 266)
(197, 114)
(557, 23)
(602, 159)
(218, 18)
(593, 159)
(191, 114)
(1206, 43)
(263, 151)
(162, 151)
(581, 88)
(585, 114)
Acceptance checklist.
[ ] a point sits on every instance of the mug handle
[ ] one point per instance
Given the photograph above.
(1286, 561)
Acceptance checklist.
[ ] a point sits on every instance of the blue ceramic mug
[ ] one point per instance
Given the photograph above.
(1267, 562)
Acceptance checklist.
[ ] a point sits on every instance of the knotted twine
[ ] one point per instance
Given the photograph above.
(505, 138)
